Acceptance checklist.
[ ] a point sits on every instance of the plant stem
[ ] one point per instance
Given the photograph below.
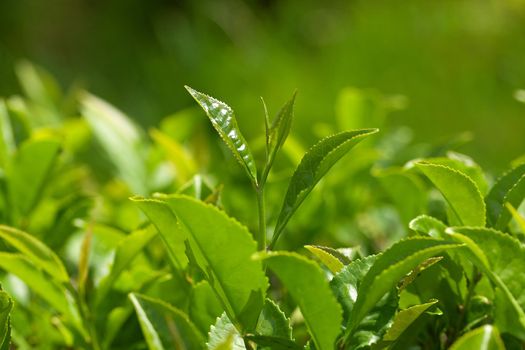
(261, 239)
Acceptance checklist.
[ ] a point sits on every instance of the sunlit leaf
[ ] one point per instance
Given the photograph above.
(307, 285)
(331, 261)
(314, 165)
(483, 338)
(223, 120)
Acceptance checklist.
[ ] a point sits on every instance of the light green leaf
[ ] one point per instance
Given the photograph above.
(333, 263)
(273, 322)
(483, 338)
(509, 188)
(6, 305)
(30, 170)
(126, 251)
(120, 139)
(223, 248)
(165, 327)
(459, 190)
(37, 281)
(36, 251)
(7, 139)
(390, 267)
(403, 320)
(204, 306)
(278, 131)
(314, 165)
(224, 336)
(502, 259)
(223, 120)
(169, 229)
(429, 226)
(520, 220)
(307, 285)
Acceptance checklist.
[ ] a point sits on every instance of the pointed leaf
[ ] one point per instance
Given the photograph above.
(502, 258)
(390, 267)
(165, 327)
(223, 248)
(314, 165)
(29, 172)
(509, 188)
(279, 129)
(224, 336)
(520, 220)
(307, 285)
(459, 190)
(333, 263)
(428, 225)
(273, 322)
(36, 251)
(223, 120)
(483, 338)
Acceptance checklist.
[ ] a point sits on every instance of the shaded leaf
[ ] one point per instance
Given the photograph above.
(459, 190)
(273, 322)
(165, 327)
(502, 259)
(509, 188)
(314, 165)
(204, 306)
(307, 285)
(36, 251)
(223, 120)
(390, 267)
(6, 305)
(483, 338)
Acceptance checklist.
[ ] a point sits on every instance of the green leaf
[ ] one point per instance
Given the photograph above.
(7, 139)
(483, 338)
(37, 281)
(273, 322)
(6, 305)
(165, 327)
(278, 131)
(29, 171)
(223, 120)
(390, 267)
(36, 251)
(459, 190)
(332, 262)
(273, 343)
(314, 165)
(224, 336)
(168, 227)
(307, 285)
(502, 259)
(428, 225)
(126, 251)
(120, 139)
(204, 306)
(509, 188)
(520, 220)
(403, 320)
(224, 256)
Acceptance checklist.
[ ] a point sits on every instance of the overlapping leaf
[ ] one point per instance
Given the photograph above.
(509, 188)
(483, 338)
(314, 165)
(6, 305)
(223, 120)
(459, 190)
(306, 283)
(165, 327)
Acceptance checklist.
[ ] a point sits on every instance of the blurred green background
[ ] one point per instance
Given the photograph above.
(457, 62)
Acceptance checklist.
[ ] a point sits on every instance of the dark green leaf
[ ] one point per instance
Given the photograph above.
(307, 285)
(36, 251)
(509, 188)
(459, 190)
(6, 305)
(390, 267)
(204, 306)
(165, 327)
(314, 165)
(223, 120)
(483, 338)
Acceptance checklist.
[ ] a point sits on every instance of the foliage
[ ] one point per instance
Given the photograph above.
(190, 264)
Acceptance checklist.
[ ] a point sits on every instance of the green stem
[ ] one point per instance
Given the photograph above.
(261, 239)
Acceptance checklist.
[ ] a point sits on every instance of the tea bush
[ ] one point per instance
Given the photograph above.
(117, 238)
